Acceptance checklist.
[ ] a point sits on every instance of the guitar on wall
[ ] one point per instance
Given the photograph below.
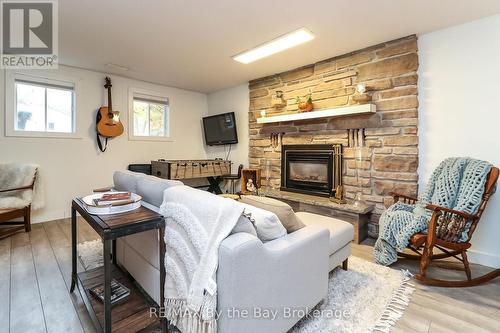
(108, 124)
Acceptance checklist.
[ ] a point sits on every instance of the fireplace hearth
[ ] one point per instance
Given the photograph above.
(311, 169)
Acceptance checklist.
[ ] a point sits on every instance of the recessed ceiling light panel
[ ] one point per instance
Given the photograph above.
(115, 66)
(279, 44)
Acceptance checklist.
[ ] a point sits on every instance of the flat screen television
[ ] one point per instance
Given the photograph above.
(220, 129)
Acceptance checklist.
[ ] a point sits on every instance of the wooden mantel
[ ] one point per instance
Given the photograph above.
(335, 112)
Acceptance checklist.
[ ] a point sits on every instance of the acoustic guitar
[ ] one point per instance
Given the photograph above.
(108, 121)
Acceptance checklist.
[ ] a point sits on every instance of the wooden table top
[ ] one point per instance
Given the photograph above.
(139, 215)
(120, 224)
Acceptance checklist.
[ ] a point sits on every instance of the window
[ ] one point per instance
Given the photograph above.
(40, 106)
(150, 116)
(44, 107)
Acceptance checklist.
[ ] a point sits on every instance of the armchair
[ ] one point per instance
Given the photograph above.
(8, 214)
(445, 231)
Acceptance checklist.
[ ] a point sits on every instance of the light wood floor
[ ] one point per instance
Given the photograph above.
(35, 278)
(432, 309)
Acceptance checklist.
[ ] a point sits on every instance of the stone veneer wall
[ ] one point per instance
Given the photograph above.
(390, 157)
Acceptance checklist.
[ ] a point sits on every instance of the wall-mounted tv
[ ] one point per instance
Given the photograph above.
(220, 129)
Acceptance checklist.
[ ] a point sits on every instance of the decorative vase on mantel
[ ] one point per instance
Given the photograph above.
(361, 96)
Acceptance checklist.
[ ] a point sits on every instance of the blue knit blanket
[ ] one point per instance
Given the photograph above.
(457, 183)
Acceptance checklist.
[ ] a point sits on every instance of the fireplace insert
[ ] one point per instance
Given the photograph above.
(311, 169)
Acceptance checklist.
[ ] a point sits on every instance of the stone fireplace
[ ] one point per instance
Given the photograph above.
(311, 169)
(388, 159)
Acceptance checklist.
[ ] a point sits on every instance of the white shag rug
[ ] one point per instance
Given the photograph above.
(366, 298)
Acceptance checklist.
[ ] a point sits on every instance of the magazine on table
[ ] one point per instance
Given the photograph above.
(118, 292)
(116, 198)
(111, 202)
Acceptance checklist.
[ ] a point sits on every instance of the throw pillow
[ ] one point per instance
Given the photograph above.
(244, 225)
(267, 224)
(284, 212)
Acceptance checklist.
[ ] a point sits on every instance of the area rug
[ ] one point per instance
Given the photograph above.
(365, 298)
(90, 254)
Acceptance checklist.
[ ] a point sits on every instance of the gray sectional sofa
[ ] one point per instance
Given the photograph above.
(287, 273)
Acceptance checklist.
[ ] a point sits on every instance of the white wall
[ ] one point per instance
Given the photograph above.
(234, 99)
(71, 167)
(459, 85)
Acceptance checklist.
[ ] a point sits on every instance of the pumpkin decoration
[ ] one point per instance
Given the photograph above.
(305, 106)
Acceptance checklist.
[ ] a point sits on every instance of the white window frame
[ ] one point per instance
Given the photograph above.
(44, 78)
(148, 95)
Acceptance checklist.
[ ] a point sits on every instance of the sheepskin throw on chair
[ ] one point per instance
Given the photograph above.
(15, 175)
(457, 183)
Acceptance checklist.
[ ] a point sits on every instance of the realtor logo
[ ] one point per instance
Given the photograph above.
(29, 34)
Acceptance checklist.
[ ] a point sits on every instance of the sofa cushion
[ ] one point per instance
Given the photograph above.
(125, 181)
(267, 224)
(151, 188)
(282, 210)
(341, 232)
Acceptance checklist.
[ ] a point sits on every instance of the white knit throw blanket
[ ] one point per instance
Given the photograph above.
(196, 223)
(13, 175)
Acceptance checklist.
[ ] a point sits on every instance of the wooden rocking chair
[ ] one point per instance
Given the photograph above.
(445, 229)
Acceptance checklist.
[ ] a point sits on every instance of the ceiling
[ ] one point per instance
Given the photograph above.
(189, 44)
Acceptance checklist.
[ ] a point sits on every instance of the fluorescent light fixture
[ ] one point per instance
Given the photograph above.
(279, 44)
(115, 66)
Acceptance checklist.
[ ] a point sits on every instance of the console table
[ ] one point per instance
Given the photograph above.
(358, 216)
(133, 314)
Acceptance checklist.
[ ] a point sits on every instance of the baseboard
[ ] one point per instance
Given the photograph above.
(484, 258)
(49, 216)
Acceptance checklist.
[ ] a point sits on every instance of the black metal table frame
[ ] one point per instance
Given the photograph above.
(109, 237)
(214, 184)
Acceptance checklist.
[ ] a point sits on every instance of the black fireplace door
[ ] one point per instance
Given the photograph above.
(308, 172)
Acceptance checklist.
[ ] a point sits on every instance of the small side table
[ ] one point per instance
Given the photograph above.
(133, 314)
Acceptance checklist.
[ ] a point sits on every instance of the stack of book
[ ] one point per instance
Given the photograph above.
(111, 202)
(114, 199)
